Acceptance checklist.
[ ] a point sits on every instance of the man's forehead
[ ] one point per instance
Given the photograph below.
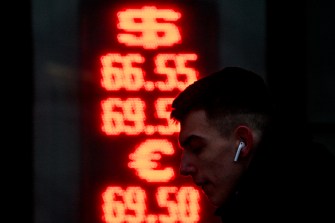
(193, 121)
(194, 126)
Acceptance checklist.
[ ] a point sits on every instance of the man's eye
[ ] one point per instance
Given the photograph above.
(194, 145)
(196, 150)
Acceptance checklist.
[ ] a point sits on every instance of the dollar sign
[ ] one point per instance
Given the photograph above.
(143, 28)
(145, 160)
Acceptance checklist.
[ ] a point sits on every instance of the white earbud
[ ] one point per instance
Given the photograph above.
(240, 147)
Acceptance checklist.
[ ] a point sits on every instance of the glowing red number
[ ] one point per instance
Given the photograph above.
(177, 77)
(124, 206)
(188, 204)
(134, 115)
(182, 205)
(145, 160)
(163, 199)
(135, 201)
(123, 116)
(112, 116)
(186, 75)
(144, 30)
(163, 109)
(119, 72)
(113, 207)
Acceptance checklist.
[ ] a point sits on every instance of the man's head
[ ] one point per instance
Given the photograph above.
(216, 113)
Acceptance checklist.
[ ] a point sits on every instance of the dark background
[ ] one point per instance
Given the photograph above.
(290, 44)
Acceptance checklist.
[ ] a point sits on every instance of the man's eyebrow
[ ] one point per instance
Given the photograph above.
(187, 141)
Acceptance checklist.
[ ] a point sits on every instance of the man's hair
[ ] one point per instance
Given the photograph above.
(229, 97)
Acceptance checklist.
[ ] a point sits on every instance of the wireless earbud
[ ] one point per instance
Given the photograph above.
(240, 147)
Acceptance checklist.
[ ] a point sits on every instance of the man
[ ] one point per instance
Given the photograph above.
(250, 163)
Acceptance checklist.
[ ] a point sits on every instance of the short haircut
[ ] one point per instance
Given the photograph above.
(229, 97)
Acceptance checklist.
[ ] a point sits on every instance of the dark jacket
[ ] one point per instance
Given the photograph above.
(291, 179)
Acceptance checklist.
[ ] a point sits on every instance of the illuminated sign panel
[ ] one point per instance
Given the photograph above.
(136, 58)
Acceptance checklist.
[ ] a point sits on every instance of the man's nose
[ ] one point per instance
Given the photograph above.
(186, 166)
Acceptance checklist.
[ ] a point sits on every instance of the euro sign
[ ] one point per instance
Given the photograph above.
(148, 27)
(145, 160)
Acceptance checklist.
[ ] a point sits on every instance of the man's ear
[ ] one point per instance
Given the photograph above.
(244, 133)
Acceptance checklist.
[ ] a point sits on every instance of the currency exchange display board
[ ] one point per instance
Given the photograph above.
(136, 57)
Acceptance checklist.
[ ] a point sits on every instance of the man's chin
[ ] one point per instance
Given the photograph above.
(214, 202)
(214, 199)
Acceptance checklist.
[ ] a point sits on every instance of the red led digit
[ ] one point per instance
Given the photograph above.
(122, 116)
(166, 198)
(163, 109)
(121, 206)
(142, 28)
(161, 68)
(134, 116)
(188, 204)
(119, 72)
(113, 205)
(186, 75)
(112, 116)
(177, 77)
(145, 160)
(135, 198)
